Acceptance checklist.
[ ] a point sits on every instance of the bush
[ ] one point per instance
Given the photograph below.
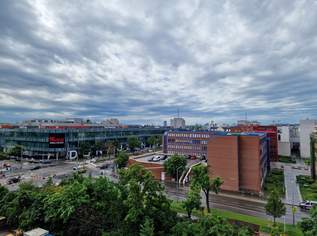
(303, 179)
(3, 156)
(286, 159)
(274, 180)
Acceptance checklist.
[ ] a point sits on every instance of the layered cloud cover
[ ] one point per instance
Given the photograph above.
(143, 60)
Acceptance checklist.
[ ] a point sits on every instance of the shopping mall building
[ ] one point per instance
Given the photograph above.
(56, 140)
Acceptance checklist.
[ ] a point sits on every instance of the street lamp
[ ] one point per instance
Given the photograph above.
(177, 176)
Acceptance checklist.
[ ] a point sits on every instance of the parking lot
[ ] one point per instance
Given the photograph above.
(12, 173)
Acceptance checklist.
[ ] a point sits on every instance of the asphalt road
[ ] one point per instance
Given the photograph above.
(242, 205)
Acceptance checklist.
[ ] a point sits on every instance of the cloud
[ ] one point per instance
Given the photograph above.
(143, 60)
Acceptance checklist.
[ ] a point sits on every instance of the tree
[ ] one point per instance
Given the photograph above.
(175, 165)
(192, 200)
(16, 151)
(85, 221)
(84, 148)
(153, 141)
(185, 228)
(144, 198)
(274, 206)
(215, 225)
(308, 225)
(3, 155)
(98, 146)
(147, 229)
(3, 192)
(133, 142)
(200, 178)
(110, 147)
(216, 184)
(122, 159)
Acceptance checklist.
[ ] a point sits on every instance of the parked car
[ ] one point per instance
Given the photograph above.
(158, 158)
(164, 157)
(35, 168)
(14, 180)
(307, 205)
(105, 166)
(46, 161)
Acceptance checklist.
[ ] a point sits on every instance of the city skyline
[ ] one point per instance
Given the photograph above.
(142, 61)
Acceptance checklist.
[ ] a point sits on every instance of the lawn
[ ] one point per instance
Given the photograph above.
(286, 159)
(308, 187)
(274, 179)
(264, 224)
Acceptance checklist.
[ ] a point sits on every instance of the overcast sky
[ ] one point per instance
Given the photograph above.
(140, 61)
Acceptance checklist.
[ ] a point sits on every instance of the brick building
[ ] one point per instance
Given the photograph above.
(156, 168)
(241, 160)
(271, 132)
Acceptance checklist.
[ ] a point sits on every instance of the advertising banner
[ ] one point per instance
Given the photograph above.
(56, 140)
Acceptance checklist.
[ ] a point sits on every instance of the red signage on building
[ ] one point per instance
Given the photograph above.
(56, 140)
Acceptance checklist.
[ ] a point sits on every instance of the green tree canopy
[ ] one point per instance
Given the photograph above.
(274, 206)
(201, 179)
(133, 142)
(16, 151)
(122, 159)
(145, 199)
(175, 164)
(147, 229)
(309, 225)
(192, 200)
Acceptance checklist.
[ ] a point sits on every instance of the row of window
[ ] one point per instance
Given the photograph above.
(192, 153)
(187, 147)
(194, 141)
(189, 135)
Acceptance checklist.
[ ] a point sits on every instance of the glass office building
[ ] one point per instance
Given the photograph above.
(57, 142)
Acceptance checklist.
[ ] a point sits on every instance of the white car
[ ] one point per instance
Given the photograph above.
(307, 205)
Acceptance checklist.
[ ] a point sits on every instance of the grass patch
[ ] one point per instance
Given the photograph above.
(265, 225)
(307, 162)
(286, 159)
(308, 187)
(274, 179)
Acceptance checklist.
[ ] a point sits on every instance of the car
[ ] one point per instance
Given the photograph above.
(306, 205)
(14, 180)
(46, 161)
(105, 166)
(164, 157)
(6, 165)
(158, 158)
(35, 168)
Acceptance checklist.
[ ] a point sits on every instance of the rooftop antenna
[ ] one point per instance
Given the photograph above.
(177, 112)
(246, 116)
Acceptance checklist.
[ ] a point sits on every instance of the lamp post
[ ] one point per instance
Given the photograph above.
(177, 177)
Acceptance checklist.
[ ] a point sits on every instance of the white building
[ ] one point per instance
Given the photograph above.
(112, 123)
(306, 128)
(178, 123)
(288, 140)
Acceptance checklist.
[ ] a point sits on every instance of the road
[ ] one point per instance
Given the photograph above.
(242, 205)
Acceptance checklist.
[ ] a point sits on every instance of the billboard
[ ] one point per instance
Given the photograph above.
(56, 140)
